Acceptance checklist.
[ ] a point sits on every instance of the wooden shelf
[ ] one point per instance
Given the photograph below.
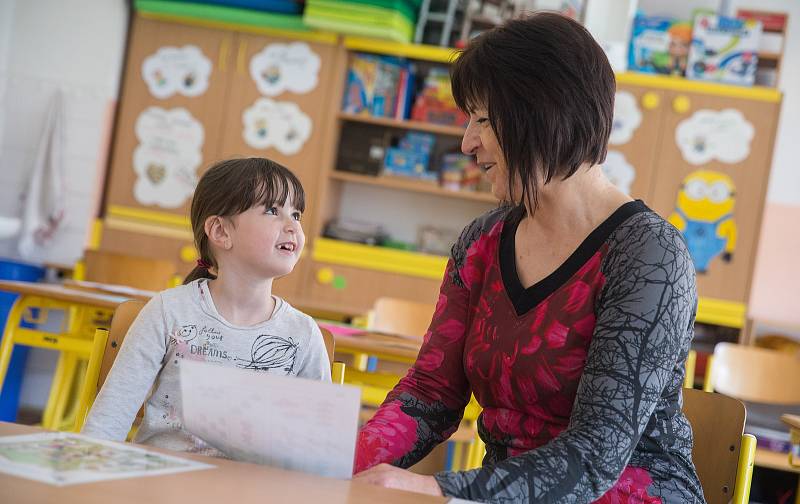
(375, 258)
(769, 56)
(437, 129)
(721, 312)
(409, 184)
(774, 460)
(413, 51)
(675, 83)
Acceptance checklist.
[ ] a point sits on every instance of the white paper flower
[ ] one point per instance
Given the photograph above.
(724, 135)
(619, 171)
(278, 125)
(285, 67)
(167, 157)
(627, 117)
(171, 70)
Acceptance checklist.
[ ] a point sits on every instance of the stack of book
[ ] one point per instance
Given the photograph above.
(387, 19)
(380, 86)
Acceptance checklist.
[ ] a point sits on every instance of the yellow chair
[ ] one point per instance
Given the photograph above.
(112, 340)
(757, 375)
(123, 317)
(73, 347)
(691, 361)
(400, 317)
(722, 454)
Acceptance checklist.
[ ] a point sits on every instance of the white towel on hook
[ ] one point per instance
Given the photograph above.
(43, 200)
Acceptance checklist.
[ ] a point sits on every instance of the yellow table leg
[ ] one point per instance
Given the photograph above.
(12, 322)
(70, 363)
(55, 387)
(68, 421)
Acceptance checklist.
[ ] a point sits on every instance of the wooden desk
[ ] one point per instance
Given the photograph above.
(774, 460)
(384, 346)
(60, 293)
(114, 290)
(229, 482)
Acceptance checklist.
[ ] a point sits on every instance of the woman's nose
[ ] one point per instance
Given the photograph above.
(471, 140)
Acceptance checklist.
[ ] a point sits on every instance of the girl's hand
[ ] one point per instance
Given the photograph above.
(389, 476)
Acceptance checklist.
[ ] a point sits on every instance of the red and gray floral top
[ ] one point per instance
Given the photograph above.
(579, 376)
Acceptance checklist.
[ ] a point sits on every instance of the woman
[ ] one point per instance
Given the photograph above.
(568, 312)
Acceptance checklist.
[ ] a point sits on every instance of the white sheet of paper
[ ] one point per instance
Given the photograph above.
(61, 458)
(280, 421)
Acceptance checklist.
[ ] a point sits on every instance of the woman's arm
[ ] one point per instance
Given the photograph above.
(426, 406)
(130, 379)
(644, 322)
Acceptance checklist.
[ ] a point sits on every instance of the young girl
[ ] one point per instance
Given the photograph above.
(246, 223)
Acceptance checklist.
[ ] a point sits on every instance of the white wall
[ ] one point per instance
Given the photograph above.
(784, 184)
(76, 46)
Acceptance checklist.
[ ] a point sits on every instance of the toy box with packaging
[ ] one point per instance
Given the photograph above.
(461, 173)
(411, 157)
(659, 45)
(435, 103)
(724, 49)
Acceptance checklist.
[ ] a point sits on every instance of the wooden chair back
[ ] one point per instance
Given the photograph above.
(717, 424)
(120, 269)
(123, 317)
(330, 344)
(756, 374)
(337, 368)
(402, 317)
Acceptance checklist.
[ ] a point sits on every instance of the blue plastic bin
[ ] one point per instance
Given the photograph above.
(9, 398)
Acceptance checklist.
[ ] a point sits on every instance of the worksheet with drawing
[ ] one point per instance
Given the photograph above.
(281, 421)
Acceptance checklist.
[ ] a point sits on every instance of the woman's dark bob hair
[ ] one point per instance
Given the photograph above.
(549, 92)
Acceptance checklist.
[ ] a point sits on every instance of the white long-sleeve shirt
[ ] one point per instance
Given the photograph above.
(183, 324)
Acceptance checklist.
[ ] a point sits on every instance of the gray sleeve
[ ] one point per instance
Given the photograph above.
(315, 364)
(129, 382)
(644, 320)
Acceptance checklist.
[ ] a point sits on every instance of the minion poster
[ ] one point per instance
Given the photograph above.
(704, 214)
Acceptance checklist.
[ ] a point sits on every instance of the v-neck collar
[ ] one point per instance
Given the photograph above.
(524, 299)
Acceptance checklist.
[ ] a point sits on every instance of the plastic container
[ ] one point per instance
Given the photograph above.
(9, 397)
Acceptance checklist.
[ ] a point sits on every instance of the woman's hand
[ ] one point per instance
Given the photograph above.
(389, 476)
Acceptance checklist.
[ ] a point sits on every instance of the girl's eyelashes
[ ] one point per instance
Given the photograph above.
(482, 120)
(274, 211)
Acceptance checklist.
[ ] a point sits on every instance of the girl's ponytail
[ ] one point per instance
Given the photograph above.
(202, 270)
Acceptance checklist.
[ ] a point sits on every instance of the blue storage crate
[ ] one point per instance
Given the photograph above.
(9, 397)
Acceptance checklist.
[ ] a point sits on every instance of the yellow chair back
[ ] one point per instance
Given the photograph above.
(722, 454)
(402, 317)
(755, 374)
(123, 317)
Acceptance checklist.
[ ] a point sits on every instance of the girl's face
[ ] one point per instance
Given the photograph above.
(267, 240)
(480, 141)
